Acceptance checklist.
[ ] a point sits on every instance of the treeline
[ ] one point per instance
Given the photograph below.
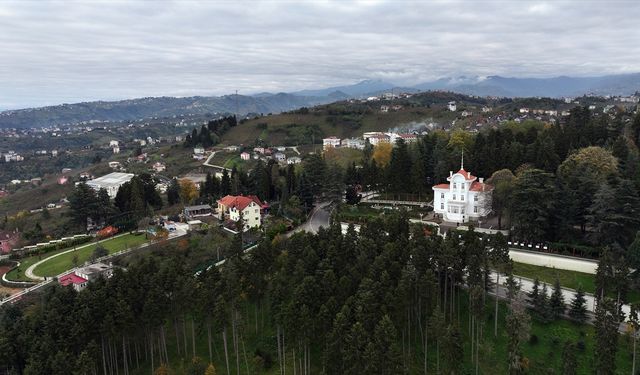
(390, 300)
(295, 189)
(135, 200)
(574, 182)
(210, 134)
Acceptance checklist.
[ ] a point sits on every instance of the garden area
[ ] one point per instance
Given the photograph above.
(64, 262)
(61, 263)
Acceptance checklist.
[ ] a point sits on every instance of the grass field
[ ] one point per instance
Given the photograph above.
(17, 274)
(65, 262)
(568, 279)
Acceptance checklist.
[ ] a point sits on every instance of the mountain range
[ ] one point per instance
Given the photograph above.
(127, 110)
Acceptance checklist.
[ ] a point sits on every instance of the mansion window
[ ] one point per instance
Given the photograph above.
(475, 198)
(475, 209)
(441, 195)
(454, 197)
(461, 197)
(455, 185)
(442, 206)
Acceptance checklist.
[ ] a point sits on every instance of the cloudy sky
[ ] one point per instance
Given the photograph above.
(69, 51)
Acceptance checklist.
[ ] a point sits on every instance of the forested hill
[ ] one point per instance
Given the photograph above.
(128, 110)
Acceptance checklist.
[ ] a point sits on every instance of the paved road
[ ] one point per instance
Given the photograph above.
(319, 218)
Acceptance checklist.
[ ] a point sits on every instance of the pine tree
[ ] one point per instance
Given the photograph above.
(173, 192)
(225, 183)
(452, 350)
(210, 370)
(606, 327)
(578, 309)
(518, 324)
(534, 294)
(569, 363)
(556, 302)
(542, 305)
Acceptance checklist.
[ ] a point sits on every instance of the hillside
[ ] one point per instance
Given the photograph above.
(128, 110)
(348, 119)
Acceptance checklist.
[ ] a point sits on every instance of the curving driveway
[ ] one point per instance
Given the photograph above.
(29, 272)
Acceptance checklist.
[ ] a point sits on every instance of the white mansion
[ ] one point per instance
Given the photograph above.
(464, 198)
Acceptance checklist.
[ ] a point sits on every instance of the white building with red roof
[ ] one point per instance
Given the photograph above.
(249, 208)
(81, 277)
(465, 197)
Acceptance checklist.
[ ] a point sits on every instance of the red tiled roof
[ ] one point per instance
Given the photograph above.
(478, 186)
(441, 186)
(240, 202)
(71, 278)
(466, 174)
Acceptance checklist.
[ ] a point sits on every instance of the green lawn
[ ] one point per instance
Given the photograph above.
(568, 279)
(17, 274)
(65, 262)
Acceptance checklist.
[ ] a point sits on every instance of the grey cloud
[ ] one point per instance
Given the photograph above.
(53, 52)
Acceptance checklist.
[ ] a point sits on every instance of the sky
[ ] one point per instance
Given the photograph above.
(70, 51)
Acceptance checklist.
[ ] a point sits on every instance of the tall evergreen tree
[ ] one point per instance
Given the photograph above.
(556, 301)
(606, 346)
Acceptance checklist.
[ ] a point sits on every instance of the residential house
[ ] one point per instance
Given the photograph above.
(376, 140)
(452, 106)
(245, 156)
(159, 167)
(114, 165)
(464, 198)
(330, 142)
(248, 208)
(8, 240)
(294, 160)
(356, 143)
(280, 157)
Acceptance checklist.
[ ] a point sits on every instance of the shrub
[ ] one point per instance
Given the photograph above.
(533, 340)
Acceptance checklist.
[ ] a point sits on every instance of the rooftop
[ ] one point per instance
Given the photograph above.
(112, 179)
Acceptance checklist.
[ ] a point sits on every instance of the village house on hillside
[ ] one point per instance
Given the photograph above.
(465, 197)
(8, 240)
(330, 142)
(249, 208)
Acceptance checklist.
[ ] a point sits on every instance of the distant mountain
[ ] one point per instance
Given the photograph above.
(127, 110)
(359, 89)
(621, 84)
(265, 102)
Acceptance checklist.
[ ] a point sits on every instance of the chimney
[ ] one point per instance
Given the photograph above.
(450, 173)
(482, 180)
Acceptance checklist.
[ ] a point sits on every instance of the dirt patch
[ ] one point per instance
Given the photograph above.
(3, 289)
